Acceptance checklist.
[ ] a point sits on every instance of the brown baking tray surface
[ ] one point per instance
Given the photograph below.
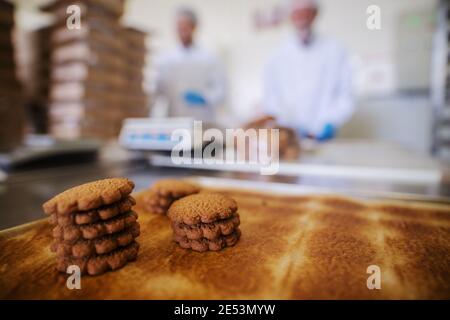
(292, 247)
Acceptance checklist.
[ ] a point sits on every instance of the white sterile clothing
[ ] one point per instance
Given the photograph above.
(190, 69)
(309, 85)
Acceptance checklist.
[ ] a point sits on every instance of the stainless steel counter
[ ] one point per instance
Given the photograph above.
(23, 193)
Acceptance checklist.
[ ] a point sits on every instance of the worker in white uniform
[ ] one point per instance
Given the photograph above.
(189, 78)
(308, 79)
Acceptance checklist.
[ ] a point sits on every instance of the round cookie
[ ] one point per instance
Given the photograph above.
(101, 245)
(91, 216)
(89, 196)
(71, 234)
(100, 264)
(208, 231)
(202, 245)
(174, 188)
(155, 203)
(164, 192)
(202, 208)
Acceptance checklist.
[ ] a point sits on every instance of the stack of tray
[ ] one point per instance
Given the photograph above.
(88, 68)
(12, 115)
(135, 100)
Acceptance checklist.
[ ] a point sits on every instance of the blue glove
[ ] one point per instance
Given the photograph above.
(328, 132)
(194, 99)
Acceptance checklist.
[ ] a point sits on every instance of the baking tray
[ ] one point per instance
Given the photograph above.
(296, 243)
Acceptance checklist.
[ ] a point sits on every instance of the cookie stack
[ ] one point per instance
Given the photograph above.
(12, 112)
(164, 192)
(94, 226)
(205, 221)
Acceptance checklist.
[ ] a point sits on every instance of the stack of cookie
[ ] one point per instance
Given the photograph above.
(95, 227)
(164, 192)
(205, 221)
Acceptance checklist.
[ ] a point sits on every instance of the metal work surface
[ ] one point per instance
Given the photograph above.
(23, 191)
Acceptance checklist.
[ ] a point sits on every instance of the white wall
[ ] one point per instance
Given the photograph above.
(403, 120)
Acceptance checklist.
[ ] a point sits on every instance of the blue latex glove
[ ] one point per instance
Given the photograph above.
(193, 98)
(328, 132)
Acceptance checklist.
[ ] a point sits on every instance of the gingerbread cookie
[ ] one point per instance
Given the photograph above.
(89, 196)
(202, 208)
(92, 216)
(155, 203)
(95, 227)
(208, 231)
(73, 233)
(174, 188)
(97, 246)
(164, 192)
(102, 263)
(202, 245)
(205, 221)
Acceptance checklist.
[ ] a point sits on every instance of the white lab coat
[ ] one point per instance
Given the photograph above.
(190, 69)
(308, 86)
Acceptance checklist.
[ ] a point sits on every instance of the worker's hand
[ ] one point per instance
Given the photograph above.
(261, 122)
(194, 98)
(328, 132)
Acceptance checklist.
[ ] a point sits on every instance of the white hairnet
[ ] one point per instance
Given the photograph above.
(189, 13)
(302, 4)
